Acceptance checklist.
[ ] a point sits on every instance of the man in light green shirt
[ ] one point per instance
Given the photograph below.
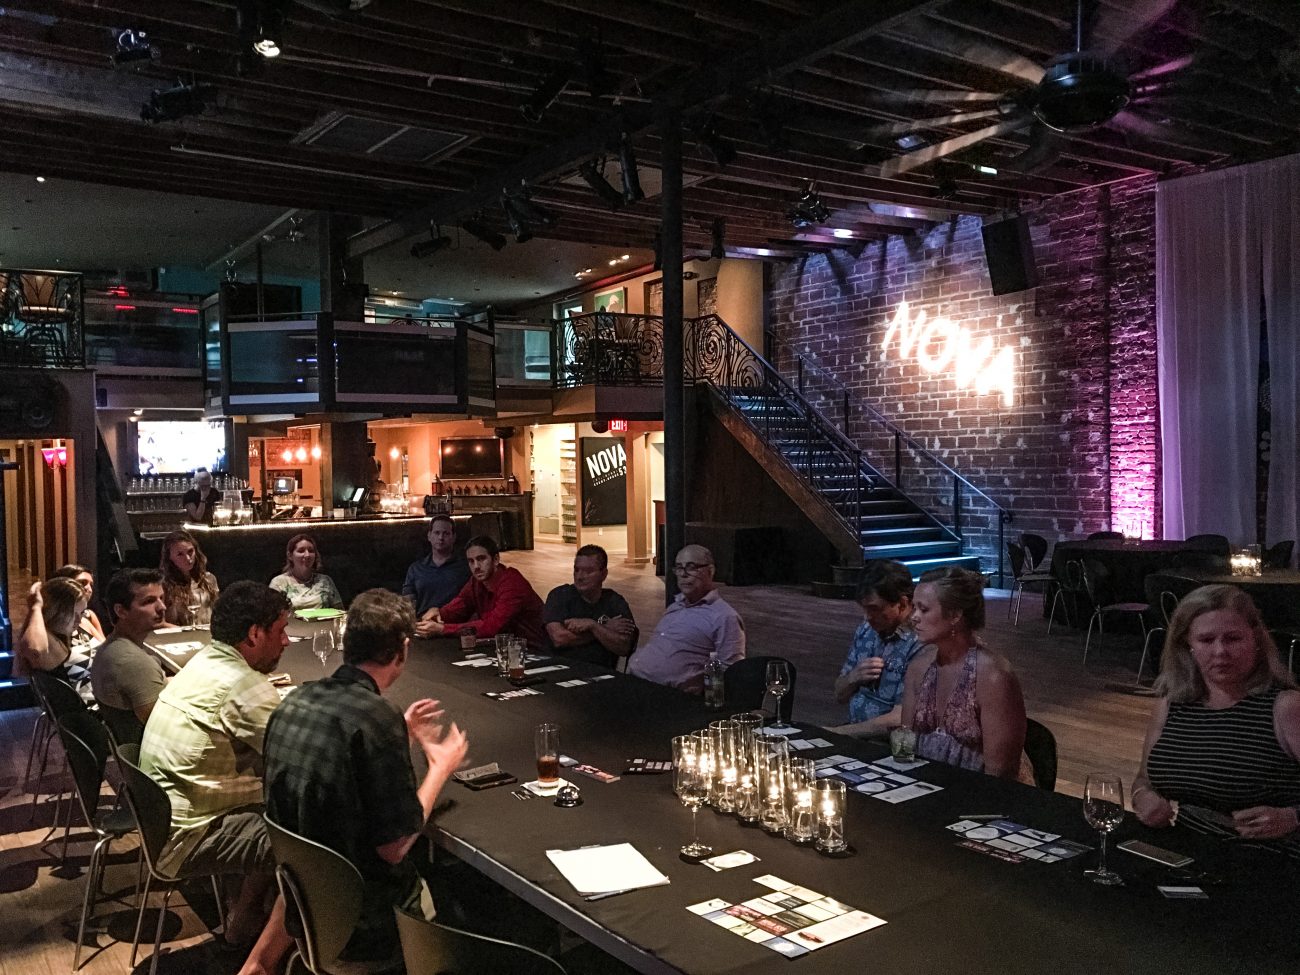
(203, 745)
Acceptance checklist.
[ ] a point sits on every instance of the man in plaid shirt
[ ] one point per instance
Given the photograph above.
(339, 771)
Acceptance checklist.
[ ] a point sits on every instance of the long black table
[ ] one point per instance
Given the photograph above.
(946, 907)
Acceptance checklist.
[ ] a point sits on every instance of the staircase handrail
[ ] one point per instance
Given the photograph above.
(850, 452)
(1004, 513)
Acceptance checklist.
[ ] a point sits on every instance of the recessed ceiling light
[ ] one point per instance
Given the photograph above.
(40, 179)
(842, 234)
(626, 257)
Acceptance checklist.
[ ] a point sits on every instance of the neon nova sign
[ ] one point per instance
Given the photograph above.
(938, 344)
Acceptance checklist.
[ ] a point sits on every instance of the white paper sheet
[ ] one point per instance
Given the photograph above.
(603, 869)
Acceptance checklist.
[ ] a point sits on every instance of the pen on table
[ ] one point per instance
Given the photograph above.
(609, 893)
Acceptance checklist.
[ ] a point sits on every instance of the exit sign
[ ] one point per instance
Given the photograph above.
(618, 426)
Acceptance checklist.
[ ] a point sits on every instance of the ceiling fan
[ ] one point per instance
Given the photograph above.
(1076, 92)
(293, 234)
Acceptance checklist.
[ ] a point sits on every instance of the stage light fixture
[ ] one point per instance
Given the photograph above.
(594, 176)
(268, 28)
(632, 191)
(809, 210)
(719, 249)
(427, 248)
(477, 229)
(178, 102)
(132, 46)
(546, 92)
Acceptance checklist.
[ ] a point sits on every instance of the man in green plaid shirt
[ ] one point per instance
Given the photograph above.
(203, 745)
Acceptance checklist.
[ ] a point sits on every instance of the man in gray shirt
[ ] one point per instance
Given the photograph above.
(125, 677)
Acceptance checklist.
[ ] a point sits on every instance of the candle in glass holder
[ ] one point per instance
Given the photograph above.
(800, 829)
(830, 816)
(772, 816)
(748, 808)
(727, 796)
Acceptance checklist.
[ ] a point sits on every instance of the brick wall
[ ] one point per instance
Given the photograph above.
(1077, 450)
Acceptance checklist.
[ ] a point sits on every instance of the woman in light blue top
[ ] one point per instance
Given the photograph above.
(302, 580)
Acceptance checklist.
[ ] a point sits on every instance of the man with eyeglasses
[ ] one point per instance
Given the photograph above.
(699, 625)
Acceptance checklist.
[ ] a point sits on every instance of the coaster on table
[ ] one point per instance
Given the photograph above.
(537, 789)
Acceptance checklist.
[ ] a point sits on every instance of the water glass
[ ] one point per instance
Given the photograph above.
(322, 645)
(501, 644)
(1103, 809)
(902, 745)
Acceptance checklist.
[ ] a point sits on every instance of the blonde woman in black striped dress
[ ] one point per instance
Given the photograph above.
(1222, 753)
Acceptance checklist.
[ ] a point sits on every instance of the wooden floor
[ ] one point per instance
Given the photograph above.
(1097, 728)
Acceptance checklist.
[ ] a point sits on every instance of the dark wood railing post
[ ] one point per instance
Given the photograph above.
(956, 512)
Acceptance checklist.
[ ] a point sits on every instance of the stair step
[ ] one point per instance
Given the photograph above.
(901, 519)
(918, 566)
(910, 550)
(894, 536)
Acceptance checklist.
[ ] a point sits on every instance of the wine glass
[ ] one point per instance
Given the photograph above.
(693, 789)
(322, 644)
(778, 683)
(1103, 808)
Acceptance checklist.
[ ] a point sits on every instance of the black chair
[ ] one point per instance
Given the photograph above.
(1040, 747)
(86, 744)
(1165, 602)
(745, 686)
(323, 891)
(431, 947)
(1102, 536)
(1071, 589)
(1214, 544)
(1036, 549)
(1278, 555)
(1095, 578)
(1024, 576)
(151, 811)
(58, 698)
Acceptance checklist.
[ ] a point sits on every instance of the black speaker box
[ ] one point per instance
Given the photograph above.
(1010, 255)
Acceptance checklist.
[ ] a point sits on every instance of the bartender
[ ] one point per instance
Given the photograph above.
(202, 499)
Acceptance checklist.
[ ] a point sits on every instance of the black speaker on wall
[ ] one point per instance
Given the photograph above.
(1010, 255)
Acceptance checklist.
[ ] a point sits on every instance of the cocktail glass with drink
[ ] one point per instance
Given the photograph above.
(546, 745)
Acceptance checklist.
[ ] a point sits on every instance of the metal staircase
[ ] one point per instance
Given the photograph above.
(866, 515)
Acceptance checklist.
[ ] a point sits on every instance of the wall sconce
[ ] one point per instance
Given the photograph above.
(300, 455)
(56, 456)
(286, 455)
(315, 451)
(394, 453)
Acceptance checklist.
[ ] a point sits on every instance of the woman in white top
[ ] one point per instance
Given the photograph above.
(301, 579)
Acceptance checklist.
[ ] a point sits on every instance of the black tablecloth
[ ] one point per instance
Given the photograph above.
(947, 908)
(1276, 593)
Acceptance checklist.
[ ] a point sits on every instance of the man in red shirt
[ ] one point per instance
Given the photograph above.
(497, 599)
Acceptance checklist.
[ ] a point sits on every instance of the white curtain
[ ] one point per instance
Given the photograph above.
(1276, 199)
(1207, 331)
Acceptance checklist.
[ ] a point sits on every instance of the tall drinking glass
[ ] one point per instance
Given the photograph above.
(778, 683)
(546, 744)
(322, 645)
(1103, 808)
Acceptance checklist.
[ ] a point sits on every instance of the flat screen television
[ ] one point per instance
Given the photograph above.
(284, 485)
(462, 458)
(179, 446)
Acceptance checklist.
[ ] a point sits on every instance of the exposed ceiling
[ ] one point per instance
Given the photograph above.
(403, 112)
(70, 224)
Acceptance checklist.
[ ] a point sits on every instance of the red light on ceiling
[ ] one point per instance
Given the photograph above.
(186, 311)
(124, 308)
(618, 426)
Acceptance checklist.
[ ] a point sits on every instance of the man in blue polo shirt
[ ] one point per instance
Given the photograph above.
(435, 580)
(871, 680)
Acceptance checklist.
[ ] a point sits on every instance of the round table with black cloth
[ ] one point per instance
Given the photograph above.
(1127, 564)
(947, 908)
(1276, 593)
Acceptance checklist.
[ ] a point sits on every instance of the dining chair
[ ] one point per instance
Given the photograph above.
(1102, 536)
(1024, 576)
(1278, 555)
(1165, 602)
(86, 744)
(429, 947)
(151, 812)
(1070, 589)
(323, 891)
(58, 699)
(1035, 549)
(745, 686)
(1094, 579)
(1040, 748)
